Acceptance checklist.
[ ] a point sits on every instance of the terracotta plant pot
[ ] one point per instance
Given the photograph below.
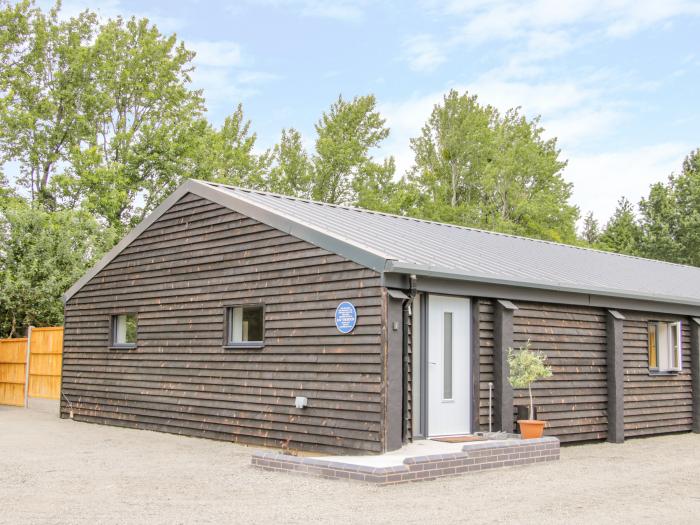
(531, 428)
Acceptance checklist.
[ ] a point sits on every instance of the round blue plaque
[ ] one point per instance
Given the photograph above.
(345, 317)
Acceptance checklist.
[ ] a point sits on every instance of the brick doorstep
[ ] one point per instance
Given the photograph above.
(473, 457)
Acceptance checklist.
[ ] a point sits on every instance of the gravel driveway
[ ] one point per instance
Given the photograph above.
(59, 471)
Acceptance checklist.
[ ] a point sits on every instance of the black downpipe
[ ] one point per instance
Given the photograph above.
(406, 363)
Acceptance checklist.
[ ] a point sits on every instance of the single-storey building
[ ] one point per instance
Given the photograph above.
(257, 318)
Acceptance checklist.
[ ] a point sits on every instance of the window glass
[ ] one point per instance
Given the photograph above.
(675, 331)
(245, 324)
(664, 361)
(653, 363)
(447, 357)
(124, 329)
(664, 344)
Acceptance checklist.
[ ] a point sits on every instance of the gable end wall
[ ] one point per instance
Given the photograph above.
(179, 275)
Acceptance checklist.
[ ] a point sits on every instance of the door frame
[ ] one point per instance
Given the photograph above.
(423, 430)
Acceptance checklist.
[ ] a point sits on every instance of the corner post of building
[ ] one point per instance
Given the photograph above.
(695, 370)
(616, 376)
(502, 341)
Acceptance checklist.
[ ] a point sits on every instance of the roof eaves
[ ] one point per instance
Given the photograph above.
(433, 271)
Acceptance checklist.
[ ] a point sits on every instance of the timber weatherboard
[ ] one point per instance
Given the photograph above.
(181, 379)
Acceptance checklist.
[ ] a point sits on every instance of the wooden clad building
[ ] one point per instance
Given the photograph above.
(251, 317)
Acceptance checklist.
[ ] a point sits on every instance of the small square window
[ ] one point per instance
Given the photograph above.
(244, 326)
(665, 347)
(124, 330)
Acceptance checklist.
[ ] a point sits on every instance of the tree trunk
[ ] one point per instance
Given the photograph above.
(532, 407)
(454, 184)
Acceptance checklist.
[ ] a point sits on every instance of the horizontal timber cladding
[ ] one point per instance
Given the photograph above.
(178, 276)
(654, 404)
(485, 359)
(573, 402)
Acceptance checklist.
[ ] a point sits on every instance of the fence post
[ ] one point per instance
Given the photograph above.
(26, 366)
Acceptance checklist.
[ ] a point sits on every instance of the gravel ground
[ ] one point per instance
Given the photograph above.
(60, 471)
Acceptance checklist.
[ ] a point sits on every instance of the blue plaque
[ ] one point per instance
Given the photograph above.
(345, 317)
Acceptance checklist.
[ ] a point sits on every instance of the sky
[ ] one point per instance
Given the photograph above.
(616, 82)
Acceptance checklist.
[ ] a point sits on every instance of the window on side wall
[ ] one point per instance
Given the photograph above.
(124, 329)
(244, 326)
(665, 347)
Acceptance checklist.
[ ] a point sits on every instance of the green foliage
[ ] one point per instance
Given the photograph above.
(342, 163)
(477, 167)
(227, 155)
(45, 86)
(41, 255)
(292, 171)
(591, 230)
(144, 123)
(670, 216)
(622, 233)
(668, 225)
(527, 366)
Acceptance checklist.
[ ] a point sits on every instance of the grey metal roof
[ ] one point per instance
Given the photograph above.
(390, 243)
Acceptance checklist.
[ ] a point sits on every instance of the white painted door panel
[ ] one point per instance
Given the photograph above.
(449, 375)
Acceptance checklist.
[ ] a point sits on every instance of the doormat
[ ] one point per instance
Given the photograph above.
(458, 439)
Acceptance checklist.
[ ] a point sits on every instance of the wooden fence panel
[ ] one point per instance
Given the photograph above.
(46, 354)
(13, 355)
(45, 362)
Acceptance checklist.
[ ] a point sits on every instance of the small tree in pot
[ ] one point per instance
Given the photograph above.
(526, 367)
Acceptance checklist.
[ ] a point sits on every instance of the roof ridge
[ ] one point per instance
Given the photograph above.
(437, 223)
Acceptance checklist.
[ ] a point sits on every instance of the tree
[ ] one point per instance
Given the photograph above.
(145, 123)
(670, 216)
(41, 255)
(45, 84)
(527, 366)
(347, 133)
(687, 194)
(374, 187)
(477, 167)
(292, 172)
(622, 233)
(227, 155)
(591, 230)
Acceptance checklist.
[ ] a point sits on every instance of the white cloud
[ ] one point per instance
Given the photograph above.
(579, 125)
(509, 19)
(225, 74)
(423, 53)
(405, 119)
(546, 29)
(216, 53)
(600, 179)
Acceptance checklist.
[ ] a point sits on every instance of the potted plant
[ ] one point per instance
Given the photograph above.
(526, 367)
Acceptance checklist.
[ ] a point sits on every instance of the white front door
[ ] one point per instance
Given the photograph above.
(449, 375)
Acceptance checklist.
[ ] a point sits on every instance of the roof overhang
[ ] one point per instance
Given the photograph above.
(436, 272)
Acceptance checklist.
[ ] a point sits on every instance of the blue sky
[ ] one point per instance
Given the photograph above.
(617, 82)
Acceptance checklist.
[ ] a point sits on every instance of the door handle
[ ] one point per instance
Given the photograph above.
(433, 363)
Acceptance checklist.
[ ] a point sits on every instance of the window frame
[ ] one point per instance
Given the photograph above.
(228, 320)
(113, 344)
(671, 328)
